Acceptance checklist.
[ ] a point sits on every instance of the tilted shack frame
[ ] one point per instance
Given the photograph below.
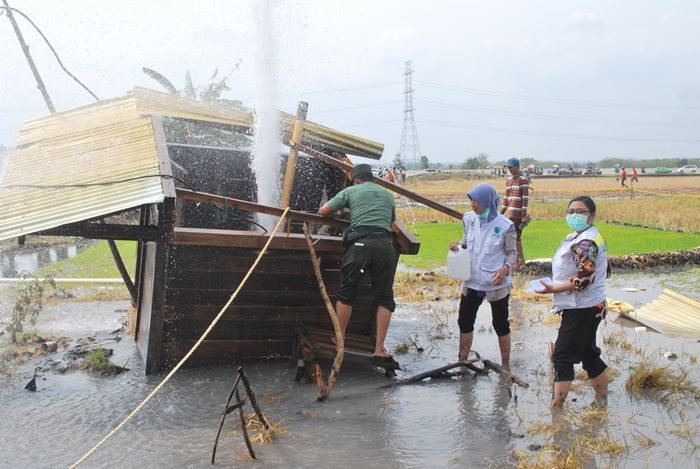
(116, 158)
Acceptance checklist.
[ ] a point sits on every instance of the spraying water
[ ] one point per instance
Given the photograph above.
(267, 148)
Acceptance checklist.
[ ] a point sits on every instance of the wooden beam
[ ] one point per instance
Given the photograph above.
(250, 239)
(386, 184)
(260, 208)
(103, 231)
(291, 168)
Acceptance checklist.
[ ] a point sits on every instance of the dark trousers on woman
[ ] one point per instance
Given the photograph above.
(576, 344)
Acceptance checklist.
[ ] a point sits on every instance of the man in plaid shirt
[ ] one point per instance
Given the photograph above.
(515, 202)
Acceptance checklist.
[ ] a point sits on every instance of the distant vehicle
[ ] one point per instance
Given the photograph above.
(689, 168)
(662, 170)
(592, 171)
(431, 170)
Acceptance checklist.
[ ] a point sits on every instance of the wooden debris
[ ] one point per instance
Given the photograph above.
(441, 372)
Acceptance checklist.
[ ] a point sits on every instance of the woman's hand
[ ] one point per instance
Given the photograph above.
(500, 275)
(453, 246)
(556, 288)
(547, 288)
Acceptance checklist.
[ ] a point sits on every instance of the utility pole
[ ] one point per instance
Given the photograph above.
(25, 49)
(410, 148)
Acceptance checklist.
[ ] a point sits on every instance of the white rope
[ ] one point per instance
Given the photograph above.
(187, 356)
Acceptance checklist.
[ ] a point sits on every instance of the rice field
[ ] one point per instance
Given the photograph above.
(664, 202)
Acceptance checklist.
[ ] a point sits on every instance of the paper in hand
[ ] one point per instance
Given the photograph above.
(536, 284)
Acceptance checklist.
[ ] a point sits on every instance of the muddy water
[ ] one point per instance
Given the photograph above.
(468, 422)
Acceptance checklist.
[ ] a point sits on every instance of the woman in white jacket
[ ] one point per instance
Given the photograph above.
(579, 269)
(491, 241)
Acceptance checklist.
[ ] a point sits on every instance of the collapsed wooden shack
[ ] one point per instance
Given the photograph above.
(186, 167)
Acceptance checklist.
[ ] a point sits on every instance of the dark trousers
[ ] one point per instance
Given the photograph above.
(469, 305)
(576, 344)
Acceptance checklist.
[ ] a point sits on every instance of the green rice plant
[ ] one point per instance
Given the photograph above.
(29, 301)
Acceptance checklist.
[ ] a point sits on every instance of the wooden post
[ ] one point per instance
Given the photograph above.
(32, 65)
(340, 343)
(289, 172)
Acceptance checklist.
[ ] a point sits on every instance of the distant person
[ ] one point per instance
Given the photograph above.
(389, 176)
(515, 203)
(368, 247)
(623, 177)
(643, 170)
(634, 175)
(403, 175)
(490, 239)
(579, 269)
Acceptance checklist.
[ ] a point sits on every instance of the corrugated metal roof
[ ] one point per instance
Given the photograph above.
(67, 167)
(100, 159)
(670, 313)
(315, 135)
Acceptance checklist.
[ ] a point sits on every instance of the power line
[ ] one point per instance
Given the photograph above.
(58, 59)
(525, 97)
(368, 124)
(359, 106)
(550, 134)
(352, 88)
(461, 107)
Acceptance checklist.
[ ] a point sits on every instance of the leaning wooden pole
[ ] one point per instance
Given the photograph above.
(339, 340)
(347, 167)
(290, 171)
(30, 60)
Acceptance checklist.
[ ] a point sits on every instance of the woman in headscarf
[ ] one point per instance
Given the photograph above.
(579, 270)
(491, 240)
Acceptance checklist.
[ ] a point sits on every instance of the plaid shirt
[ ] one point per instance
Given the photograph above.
(516, 198)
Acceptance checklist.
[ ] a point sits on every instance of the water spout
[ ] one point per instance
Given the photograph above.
(267, 146)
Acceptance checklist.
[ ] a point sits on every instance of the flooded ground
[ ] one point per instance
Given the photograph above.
(458, 422)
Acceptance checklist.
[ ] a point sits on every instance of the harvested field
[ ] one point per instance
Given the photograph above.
(664, 202)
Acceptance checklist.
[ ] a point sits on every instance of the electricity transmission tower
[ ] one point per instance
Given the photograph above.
(410, 148)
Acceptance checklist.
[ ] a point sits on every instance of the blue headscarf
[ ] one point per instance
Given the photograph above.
(485, 195)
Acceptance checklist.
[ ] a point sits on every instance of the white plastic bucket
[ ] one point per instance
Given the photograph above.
(458, 264)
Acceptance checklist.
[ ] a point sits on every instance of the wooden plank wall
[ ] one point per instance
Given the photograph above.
(263, 320)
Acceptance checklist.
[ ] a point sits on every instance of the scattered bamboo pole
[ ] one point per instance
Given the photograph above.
(340, 342)
(439, 372)
(243, 425)
(505, 374)
(436, 372)
(224, 413)
(251, 396)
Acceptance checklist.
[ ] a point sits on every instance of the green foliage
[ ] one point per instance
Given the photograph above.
(541, 239)
(29, 301)
(424, 162)
(398, 162)
(476, 162)
(95, 262)
(199, 132)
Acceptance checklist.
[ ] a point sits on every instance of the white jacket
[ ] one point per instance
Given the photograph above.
(564, 267)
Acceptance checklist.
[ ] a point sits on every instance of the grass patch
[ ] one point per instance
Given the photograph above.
(97, 362)
(95, 261)
(542, 238)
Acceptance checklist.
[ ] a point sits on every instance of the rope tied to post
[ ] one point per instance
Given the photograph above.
(191, 351)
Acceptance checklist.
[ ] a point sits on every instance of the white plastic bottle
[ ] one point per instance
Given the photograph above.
(458, 264)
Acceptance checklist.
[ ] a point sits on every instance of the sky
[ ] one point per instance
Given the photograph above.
(552, 80)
